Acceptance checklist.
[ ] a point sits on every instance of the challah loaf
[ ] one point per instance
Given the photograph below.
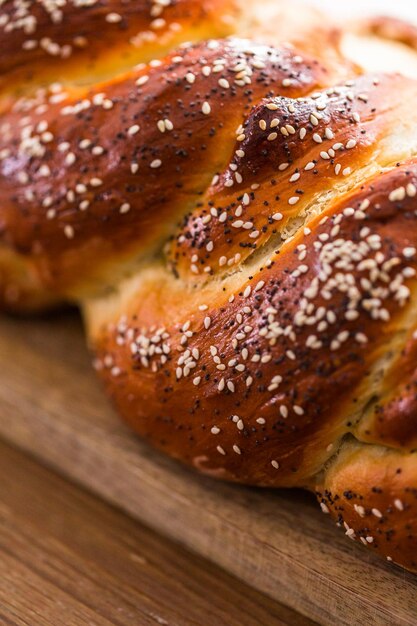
(236, 217)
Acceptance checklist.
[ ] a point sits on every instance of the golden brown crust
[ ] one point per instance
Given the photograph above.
(288, 344)
(89, 38)
(390, 418)
(21, 290)
(289, 154)
(372, 494)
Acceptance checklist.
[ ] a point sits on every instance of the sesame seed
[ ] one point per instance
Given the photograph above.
(411, 190)
(360, 510)
(283, 410)
(206, 108)
(113, 18)
(69, 232)
(397, 194)
(409, 252)
(142, 80)
(133, 129)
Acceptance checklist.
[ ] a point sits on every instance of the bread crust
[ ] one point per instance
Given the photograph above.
(97, 38)
(236, 218)
(371, 492)
(282, 343)
(98, 155)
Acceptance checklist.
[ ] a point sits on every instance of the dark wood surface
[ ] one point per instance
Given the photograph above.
(276, 541)
(68, 559)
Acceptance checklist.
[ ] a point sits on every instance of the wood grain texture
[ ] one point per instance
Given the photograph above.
(278, 542)
(67, 558)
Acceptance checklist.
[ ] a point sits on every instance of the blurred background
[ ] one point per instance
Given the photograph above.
(356, 8)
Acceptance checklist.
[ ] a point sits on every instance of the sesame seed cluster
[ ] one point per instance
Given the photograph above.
(285, 147)
(238, 222)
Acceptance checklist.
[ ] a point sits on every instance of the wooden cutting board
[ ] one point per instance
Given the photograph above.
(278, 541)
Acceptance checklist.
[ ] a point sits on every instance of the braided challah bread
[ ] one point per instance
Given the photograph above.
(237, 218)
